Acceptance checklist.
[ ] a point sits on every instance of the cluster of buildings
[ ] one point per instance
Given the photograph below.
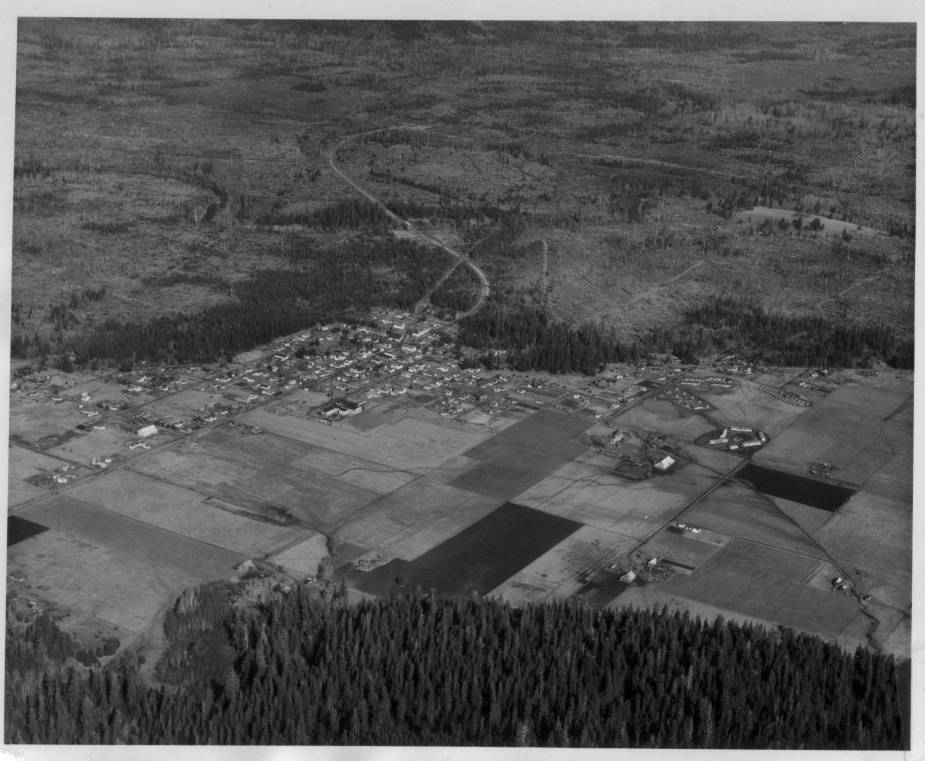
(735, 438)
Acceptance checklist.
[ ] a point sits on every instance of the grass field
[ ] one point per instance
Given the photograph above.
(100, 564)
(590, 493)
(250, 472)
(560, 572)
(408, 444)
(661, 416)
(748, 406)
(853, 428)
(476, 559)
(415, 518)
(680, 548)
(304, 557)
(187, 513)
(810, 519)
(736, 510)
(764, 582)
(874, 534)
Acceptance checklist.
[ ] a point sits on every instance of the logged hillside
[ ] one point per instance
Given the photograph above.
(310, 669)
(622, 175)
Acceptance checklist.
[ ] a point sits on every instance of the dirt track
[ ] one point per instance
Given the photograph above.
(485, 288)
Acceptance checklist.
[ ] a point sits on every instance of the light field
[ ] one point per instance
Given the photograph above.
(188, 513)
(765, 583)
(251, 472)
(409, 444)
(736, 510)
(849, 428)
(661, 416)
(874, 534)
(589, 493)
(97, 563)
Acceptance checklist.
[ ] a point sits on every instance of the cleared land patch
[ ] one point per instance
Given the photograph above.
(736, 510)
(254, 474)
(408, 444)
(661, 416)
(855, 428)
(182, 511)
(590, 493)
(25, 463)
(748, 406)
(476, 559)
(415, 518)
(874, 534)
(764, 582)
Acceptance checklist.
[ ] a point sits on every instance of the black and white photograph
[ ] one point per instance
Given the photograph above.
(457, 383)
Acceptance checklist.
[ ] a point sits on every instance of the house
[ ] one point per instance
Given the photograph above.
(146, 431)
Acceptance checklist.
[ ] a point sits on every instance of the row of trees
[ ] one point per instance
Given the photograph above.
(430, 670)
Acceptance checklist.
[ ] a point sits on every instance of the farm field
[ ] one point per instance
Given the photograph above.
(92, 562)
(590, 493)
(408, 444)
(736, 510)
(255, 473)
(561, 571)
(765, 583)
(478, 558)
(850, 428)
(807, 491)
(187, 513)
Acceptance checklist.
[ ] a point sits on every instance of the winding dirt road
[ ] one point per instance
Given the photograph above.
(485, 288)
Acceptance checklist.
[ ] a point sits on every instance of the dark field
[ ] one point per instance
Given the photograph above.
(476, 559)
(522, 455)
(796, 488)
(763, 582)
(131, 538)
(19, 529)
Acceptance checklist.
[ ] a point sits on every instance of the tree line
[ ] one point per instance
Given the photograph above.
(427, 670)
(337, 283)
(531, 340)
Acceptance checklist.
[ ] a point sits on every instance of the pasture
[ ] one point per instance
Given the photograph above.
(188, 513)
(255, 473)
(661, 416)
(587, 491)
(736, 510)
(765, 583)
(96, 563)
(414, 518)
(855, 428)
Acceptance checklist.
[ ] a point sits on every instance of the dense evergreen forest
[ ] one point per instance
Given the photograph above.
(534, 342)
(306, 668)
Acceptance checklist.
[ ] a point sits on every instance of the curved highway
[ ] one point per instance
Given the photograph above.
(485, 288)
